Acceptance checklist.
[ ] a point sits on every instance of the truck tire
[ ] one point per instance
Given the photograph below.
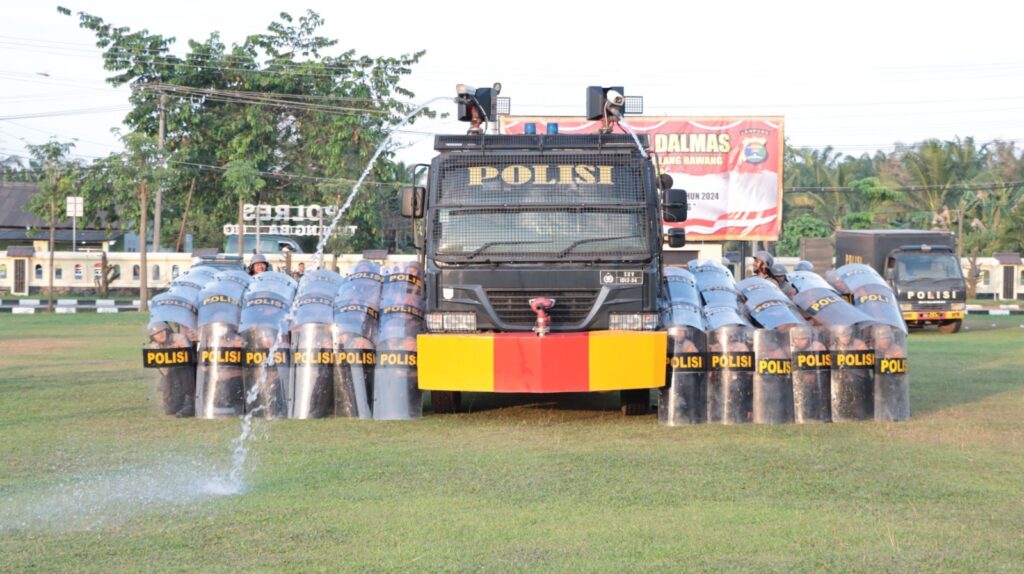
(949, 327)
(446, 402)
(635, 402)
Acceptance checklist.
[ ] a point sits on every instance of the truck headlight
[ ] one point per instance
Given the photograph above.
(958, 306)
(464, 322)
(906, 307)
(632, 321)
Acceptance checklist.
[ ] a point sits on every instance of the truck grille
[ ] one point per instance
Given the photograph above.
(513, 306)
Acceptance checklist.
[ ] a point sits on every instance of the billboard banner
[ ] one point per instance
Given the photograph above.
(730, 167)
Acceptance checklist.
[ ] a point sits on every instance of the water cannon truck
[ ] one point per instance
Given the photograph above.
(542, 256)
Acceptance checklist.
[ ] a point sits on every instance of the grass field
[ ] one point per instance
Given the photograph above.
(92, 479)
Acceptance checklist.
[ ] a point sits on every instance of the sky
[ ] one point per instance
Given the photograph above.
(858, 76)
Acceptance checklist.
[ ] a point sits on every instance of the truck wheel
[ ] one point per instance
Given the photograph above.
(635, 402)
(446, 402)
(949, 327)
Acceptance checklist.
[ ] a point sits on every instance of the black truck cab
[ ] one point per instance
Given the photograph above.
(572, 218)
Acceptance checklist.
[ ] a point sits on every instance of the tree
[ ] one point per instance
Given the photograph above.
(279, 99)
(122, 181)
(57, 181)
(243, 179)
(796, 228)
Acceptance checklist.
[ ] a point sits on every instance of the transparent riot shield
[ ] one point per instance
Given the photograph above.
(773, 383)
(716, 317)
(681, 287)
(311, 390)
(219, 387)
(683, 399)
(242, 278)
(396, 393)
(171, 355)
(879, 302)
(826, 308)
(266, 369)
(320, 281)
(356, 321)
(274, 281)
(730, 375)
(812, 375)
(892, 386)
(716, 285)
(767, 305)
(801, 281)
(853, 364)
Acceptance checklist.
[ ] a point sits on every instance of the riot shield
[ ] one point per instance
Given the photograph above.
(311, 390)
(853, 364)
(356, 319)
(812, 375)
(681, 287)
(730, 375)
(826, 308)
(265, 374)
(320, 281)
(801, 281)
(716, 317)
(849, 277)
(234, 275)
(274, 281)
(892, 387)
(219, 387)
(871, 294)
(169, 352)
(175, 307)
(716, 285)
(396, 393)
(767, 306)
(683, 399)
(773, 383)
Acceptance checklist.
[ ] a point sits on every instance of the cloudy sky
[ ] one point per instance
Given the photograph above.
(859, 76)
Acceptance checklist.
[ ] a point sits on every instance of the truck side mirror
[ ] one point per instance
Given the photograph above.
(664, 182)
(412, 202)
(674, 210)
(676, 237)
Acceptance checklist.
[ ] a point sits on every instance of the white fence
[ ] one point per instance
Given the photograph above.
(77, 272)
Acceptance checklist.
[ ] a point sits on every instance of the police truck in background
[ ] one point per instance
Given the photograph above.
(921, 266)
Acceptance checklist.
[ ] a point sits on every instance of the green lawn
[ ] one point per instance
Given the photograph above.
(92, 479)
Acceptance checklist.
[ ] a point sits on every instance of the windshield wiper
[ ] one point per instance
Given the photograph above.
(579, 242)
(490, 244)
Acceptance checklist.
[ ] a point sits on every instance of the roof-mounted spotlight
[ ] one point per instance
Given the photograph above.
(479, 105)
(610, 103)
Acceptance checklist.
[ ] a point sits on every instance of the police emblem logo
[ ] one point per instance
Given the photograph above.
(754, 150)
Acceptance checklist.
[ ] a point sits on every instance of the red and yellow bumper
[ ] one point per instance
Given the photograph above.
(932, 315)
(556, 363)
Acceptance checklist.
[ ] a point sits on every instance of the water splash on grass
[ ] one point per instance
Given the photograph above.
(105, 499)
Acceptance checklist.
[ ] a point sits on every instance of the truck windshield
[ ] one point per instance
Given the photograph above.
(569, 207)
(933, 266)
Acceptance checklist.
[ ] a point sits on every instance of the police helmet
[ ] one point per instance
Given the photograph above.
(157, 327)
(258, 258)
(765, 258)
(804, 265)
(778, 270)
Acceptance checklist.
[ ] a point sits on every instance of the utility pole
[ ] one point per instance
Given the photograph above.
(959, 233)
(159, 190)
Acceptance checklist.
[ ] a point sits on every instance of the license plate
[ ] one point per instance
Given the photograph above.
(622, 277)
